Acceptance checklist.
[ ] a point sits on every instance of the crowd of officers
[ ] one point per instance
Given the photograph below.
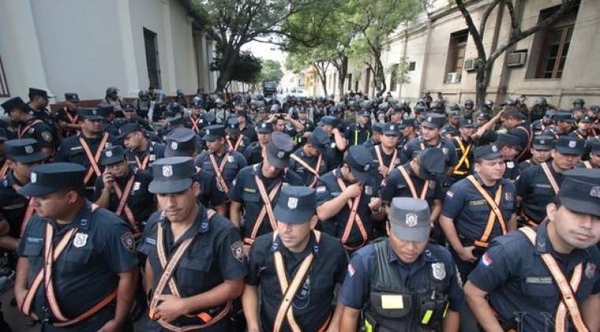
(301, 214)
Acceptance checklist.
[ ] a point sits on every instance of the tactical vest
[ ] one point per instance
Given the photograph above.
(394, 307)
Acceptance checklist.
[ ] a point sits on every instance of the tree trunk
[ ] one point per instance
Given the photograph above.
(228, 58)
(484, 71)
(379, 76)
(342, 72)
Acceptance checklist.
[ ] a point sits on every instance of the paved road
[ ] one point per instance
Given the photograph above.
(19, 323)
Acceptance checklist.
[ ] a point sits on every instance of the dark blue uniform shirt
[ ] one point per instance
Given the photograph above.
(213, 257)
(470, 211)
(86, 271)
(418, 144)
(518, 282)
(534, 188)
(396, 186)
(312, 303)
(361, 270)
(235, 162)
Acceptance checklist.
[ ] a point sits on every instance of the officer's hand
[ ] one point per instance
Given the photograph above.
(110, 326)
(108, 179)
(383, 170)
(466, 254)
(170, 308)
(335, 131)
(375, 204)
(354, 190)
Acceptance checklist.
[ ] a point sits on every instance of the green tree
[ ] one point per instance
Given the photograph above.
(271, 71)
(373, 21)
(246, 68)
(237, 22)
(485, 60)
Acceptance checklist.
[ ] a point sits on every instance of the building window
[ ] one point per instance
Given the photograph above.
(456, 56)
(393, 77)
(4, 91)
(151, 44)
(551, 45)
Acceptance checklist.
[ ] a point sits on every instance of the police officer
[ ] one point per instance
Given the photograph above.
(124, 190)
(430, 137)
(296, 268)
(66, 117)
(376, 133)
(85, 149)
(195, 266)
(28, 126)
(420, 178)
(594, 155)
(15, 209)
(538, 185)
(451, 129)
(385, 155)
(308, 125)
(522, 281)
(408, 130)
(347, 198)
(307, 161)
(235, 140)
(334, 153)
(220, 161)
(38, 103)
(510, 148)
(141, 151)
(112, 99)
(563, 125)
(402, 283)
(257, 188)
(253, 152)
(540, 152)
(194, 120)
(478, 208)
(245, 125)
(360, 131)
(463, 146)
(583, 129)
(183, 142)
(77, 266)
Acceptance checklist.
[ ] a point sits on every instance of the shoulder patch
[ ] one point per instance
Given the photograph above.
(237, 251)
(47, 136)
(128, 241)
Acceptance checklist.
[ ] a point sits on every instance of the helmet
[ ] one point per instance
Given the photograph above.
(488, 104)
(111, 90)
(219, 101)
(541, 101)
(180, 92)
(579, 101)
(275, 108)
(143, 93)
(435, 105)
(469, 102)
(508, 102)
(454, 107)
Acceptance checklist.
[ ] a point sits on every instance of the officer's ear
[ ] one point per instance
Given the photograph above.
(196, 188)
(313, 221)
(553, 153)
(551, 209)
(387, 228)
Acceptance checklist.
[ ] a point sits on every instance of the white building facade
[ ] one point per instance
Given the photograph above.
(85, 46)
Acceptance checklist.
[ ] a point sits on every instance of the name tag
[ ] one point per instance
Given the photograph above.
(479, 202)
(136, 186)
(392, 302)
(250, 190)
(539, 280)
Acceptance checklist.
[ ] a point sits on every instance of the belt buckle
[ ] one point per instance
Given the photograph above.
(46, 316)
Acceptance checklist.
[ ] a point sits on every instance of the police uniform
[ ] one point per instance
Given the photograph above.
(538, 185)
(226, 166)
(357, 219)
(471, 205)
(403, 182)
(195, 123)
(398, 296)
(357, 134)
(235, 140)
(99, 247)
(253, 152)
(131, 200)
(37, 129)
(545, 143)
(211, 252)
(68, 115)
(141, 159)
(310, 168)
(318, 268)
(333, 156)
(418, 144)
(256, 193)
(520, 286)
(309, 127)
(15, 208)
(560, 116)
(85, 151)
(511, 171)
(464, 153)
(377, 127)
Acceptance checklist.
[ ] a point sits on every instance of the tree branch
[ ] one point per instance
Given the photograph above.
(472, 29)
(514, 24)
(485, 17)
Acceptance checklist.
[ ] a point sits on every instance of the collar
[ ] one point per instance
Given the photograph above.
(201, 223)
(312, 243)
(11, 179)
(478, 178)
(425, 257)
(543, 245)
(81, 219)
